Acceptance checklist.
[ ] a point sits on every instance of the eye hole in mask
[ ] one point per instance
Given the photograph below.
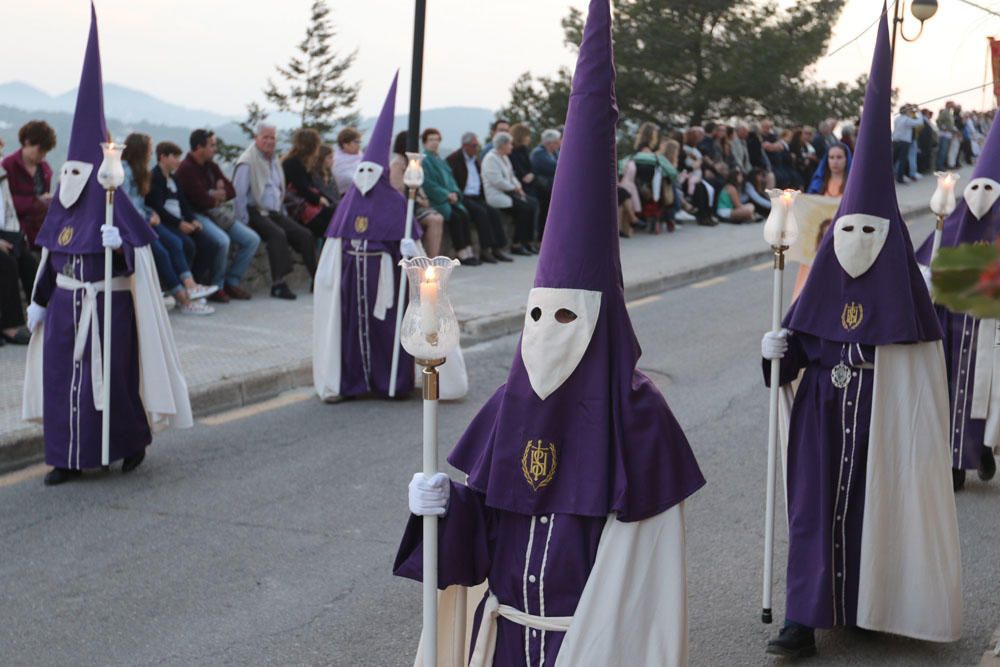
(565, 316)
(848, 228)
(536, 313)
(988, 187)
(868, 229)
(974, 187)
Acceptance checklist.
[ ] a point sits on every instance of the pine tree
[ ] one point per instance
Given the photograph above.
(315, 88)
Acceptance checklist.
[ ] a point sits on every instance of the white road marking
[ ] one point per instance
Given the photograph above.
(710, 282)
(258, 408)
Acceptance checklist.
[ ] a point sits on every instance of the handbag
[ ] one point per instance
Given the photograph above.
(298, 208)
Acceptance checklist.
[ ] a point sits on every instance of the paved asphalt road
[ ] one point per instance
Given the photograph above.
(266, 537)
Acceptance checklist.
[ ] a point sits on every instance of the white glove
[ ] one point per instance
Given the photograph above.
(429, 495)
(36, 314)
(111, 237)
(925, 271)
(408, 248)
(774, 344)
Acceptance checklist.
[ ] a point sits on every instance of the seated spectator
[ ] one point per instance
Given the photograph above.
(780, 156)
(12, 329)
(467, 170)
(803, 156)
(431, 221)
(543, 165)
(730, 206)
(755, 189)
(168, 248)
(11, 234)
(847, 136)
(831, 175)
(739, 147)
(260, 192)
(444, 195)
(499, 125)
(698, 195)
(757, 154)
(30, 177)
(303, 201)
(669, 153)
(211, 196)
(322, 175)
(520, 158)
(346, 158)
(649, 177)
(169, 203)
(505, 193)
(708, 144)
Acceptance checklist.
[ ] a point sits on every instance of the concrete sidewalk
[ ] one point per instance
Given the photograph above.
(250, 351)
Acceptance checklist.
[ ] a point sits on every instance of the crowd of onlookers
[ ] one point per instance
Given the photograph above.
(483, 202)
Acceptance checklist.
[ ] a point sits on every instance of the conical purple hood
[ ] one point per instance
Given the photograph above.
(961, 226)
(612, 443)
(379, 215)
(888, 303)
(77, 229)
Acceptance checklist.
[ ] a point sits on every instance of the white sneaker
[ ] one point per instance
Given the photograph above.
(917, 176)
(683, 216)
(169, 302)
(202, 291)
(196, 308)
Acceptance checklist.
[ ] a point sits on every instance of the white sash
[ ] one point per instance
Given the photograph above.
(486, 640)
(986, 387)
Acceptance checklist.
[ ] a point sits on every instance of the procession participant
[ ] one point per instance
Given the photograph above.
(577, 471)
(354, 325)
(147, 389)
(970, 350)
(873, 532)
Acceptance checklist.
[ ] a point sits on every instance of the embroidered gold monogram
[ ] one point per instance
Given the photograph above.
(851, 318)
(538, 463)
(66, 235)
(361, 224)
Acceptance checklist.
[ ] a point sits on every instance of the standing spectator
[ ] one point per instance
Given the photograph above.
(499, 125)
(444, 196)
(520, 158)
(170, 205)
(902, 137)
(467, 170)
(927, 143)
(211, 195)
(12, 329)
(946, 132)
(428, 218)
(260, 190)
(322, 175)
(346, 158)
(738, 146)
(30, 176)
(505, 193)
(167, 248)
(13, 238)
(303, 201)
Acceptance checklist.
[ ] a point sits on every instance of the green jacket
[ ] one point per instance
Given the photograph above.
(438, 183)
(669, 170)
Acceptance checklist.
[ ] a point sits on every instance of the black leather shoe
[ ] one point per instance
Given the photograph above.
(487, 258)
(794, 641)
(21, 337)
(957, 479)
(57, 476)
(519, 250)
(130, 464)
(281, 291)
(987, 464)
(470, 261)
(500, 255)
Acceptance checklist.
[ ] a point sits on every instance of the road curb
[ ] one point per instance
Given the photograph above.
(24, 446)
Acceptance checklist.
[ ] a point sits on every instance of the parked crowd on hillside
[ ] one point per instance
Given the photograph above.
(487, 203)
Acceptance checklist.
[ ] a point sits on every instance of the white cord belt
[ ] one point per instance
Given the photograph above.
(486, 640)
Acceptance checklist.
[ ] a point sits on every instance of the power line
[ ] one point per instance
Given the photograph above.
(980, 7)
(860, 34)
(958, 92)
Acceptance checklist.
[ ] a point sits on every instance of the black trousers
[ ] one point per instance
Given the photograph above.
(11, 310)
(321, 222)
(524, 212)
(487, 222)
(280, 233)
(458, 227)
(27, 264)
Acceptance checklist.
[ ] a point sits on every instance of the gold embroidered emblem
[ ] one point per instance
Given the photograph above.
(851, 318)
(66, 235)
(361, 224)
(538, 463)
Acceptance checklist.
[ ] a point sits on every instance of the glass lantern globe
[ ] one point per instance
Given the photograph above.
(943, 200)
(413, 177)
(430, 328)
(780, 230)
(111, 174)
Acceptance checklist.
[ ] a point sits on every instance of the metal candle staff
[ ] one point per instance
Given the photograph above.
(942, 205)
(110, 175)
(429, 332)
(780, 232)
(413, 179)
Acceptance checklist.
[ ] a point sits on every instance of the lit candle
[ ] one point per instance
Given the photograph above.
(428, 302)
(780, 229)
(943, 201)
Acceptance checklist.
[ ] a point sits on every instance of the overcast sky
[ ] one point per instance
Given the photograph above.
(217, 54)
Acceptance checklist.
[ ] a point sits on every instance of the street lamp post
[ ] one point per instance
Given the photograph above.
(416, 76)
(921, 10)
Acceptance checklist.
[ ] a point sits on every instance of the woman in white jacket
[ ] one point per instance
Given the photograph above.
(504, 192)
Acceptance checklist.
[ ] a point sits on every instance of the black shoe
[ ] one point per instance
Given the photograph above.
(519, 250)
(499, 254)
(794, 641)
(487, 258)
(281, 291)
(957, 479)
(57, 476)
(470, 261)
(987, 464)
(21, 337)
(130, 464)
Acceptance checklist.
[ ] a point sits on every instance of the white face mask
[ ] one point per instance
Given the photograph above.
(72, 181)
(980, 195)
(557, 331)
(857, 241)
(367, 176)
